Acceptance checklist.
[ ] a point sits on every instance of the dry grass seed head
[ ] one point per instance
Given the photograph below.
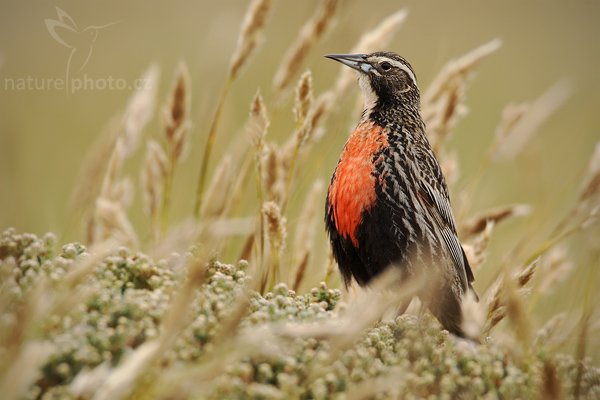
(450, 167)
(551, 388)
(519, 123)
(110, 219)
(248, 39)
(127, 130)
(496, 310)
(152, 178)
(112, 222)
(515, 308)
(310, 33)
(25, 369)
(275, 224)
(555, 268)
(140, 109)
(176, 114)
(304, 97)
(274, 173)
(458, 69)
(526, 274)
(498, 295)
(120, 381)
(476, 249)
(178, 107)
(122, 192)
(473, 316)
(93, 169)
(591, 190)
(309, 130)
(178, 146)
(316, 116)
(582, 343)
(89, 381)
(159, 159)
(137, 114)
(377, 38)
(476, 225)
(443, 101)
(545, 335)
(252, 27)
(113, 170)
(259, 120)
(306, 117)
(446, 114)
(511, 115)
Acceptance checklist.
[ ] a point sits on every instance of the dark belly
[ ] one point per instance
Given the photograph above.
(379, 244)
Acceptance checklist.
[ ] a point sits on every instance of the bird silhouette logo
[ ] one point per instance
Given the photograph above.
(81, 41)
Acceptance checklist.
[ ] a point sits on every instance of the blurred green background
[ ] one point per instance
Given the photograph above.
(45, 133)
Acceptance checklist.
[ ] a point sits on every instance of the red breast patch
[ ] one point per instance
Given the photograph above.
(352, 190)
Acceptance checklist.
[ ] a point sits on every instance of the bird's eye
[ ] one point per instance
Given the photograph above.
(386, 66)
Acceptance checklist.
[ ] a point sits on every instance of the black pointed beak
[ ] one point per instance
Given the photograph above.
(356, 61)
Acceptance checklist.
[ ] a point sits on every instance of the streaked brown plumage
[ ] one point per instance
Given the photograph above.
(388, 203)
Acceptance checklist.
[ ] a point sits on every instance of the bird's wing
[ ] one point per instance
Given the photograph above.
(433, 194)
(434, 203)
(64, 34)
(63, 29)
(439, 208)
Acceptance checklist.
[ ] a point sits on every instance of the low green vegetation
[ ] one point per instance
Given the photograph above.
(124, 299)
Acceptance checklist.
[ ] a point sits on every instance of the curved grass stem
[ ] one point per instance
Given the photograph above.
(167, 189)
(548, 244)
(210, 142)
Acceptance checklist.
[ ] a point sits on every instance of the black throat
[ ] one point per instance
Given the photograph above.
(398, 110)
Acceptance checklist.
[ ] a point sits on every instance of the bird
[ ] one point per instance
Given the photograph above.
(80, 41)
(388, 204)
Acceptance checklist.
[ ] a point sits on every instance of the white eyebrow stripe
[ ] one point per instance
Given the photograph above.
(400, 65)
(404, 68)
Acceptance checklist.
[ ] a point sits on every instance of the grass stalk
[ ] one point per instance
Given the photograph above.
(167, 190)
(210, 143)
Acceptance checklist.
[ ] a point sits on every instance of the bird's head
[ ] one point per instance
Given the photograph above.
(384, 77)
(92, 31)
